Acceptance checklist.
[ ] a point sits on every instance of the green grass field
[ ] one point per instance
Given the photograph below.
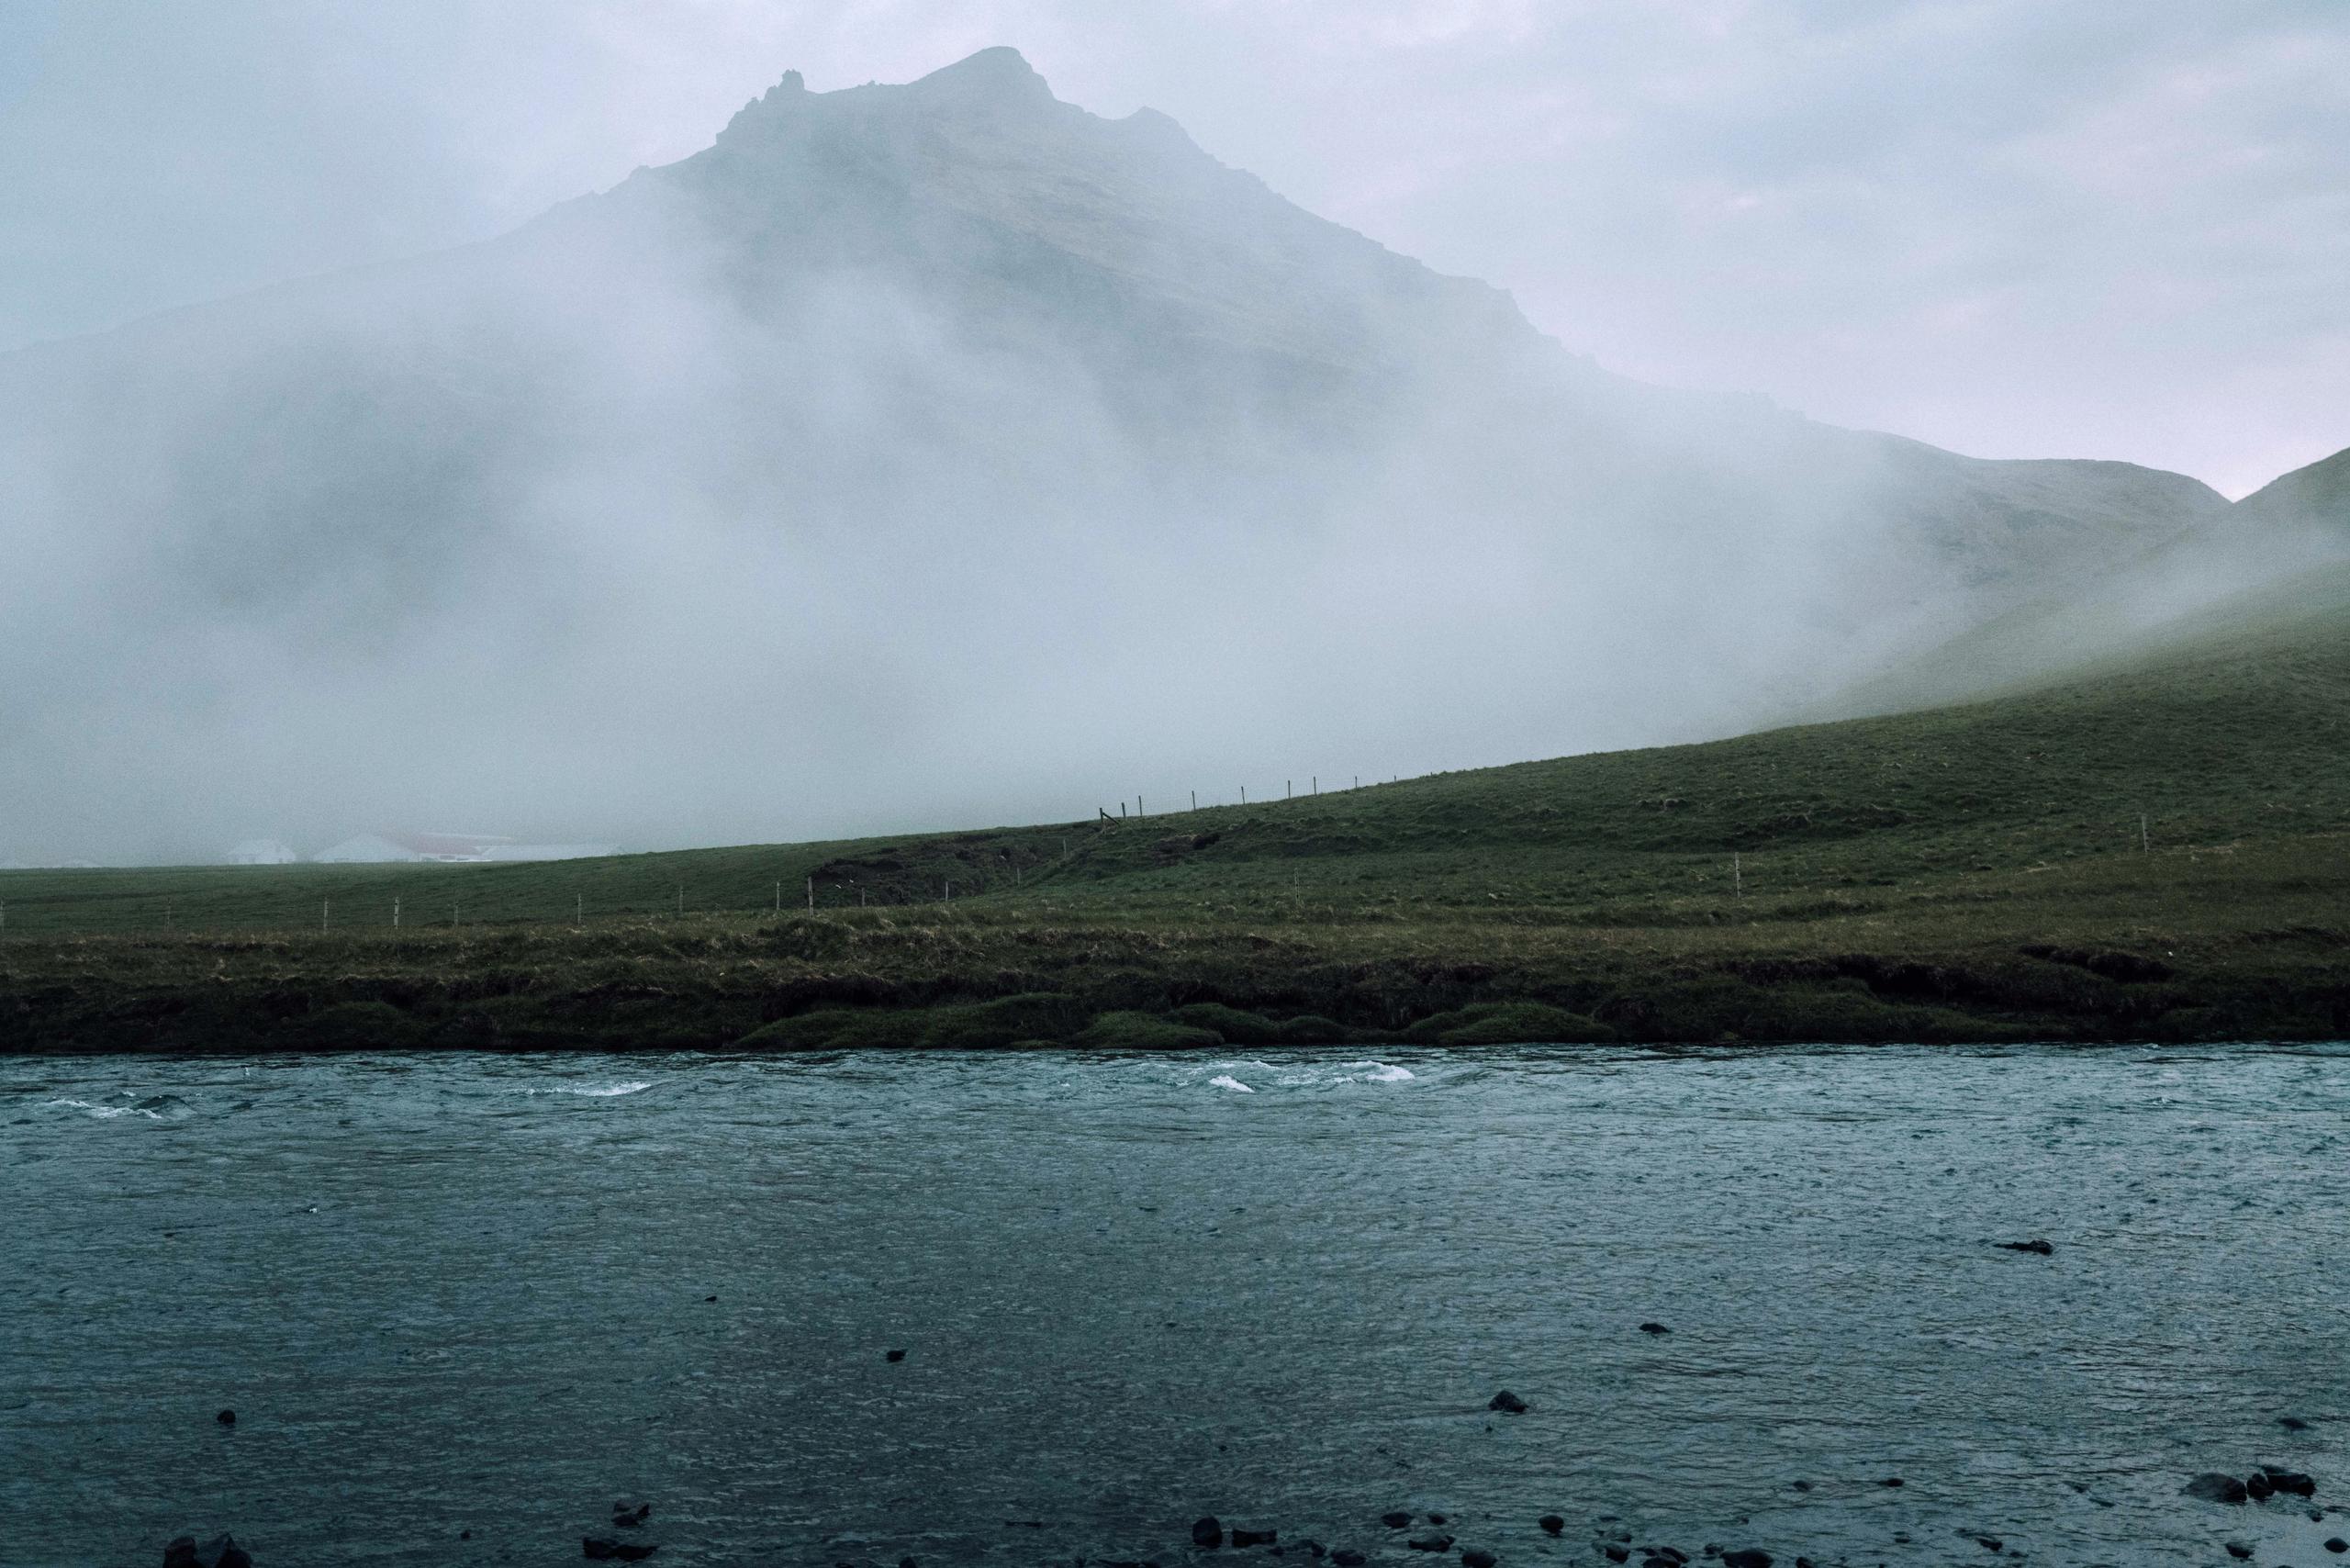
(2157, 852)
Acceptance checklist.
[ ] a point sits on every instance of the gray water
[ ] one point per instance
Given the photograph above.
(451, 1293)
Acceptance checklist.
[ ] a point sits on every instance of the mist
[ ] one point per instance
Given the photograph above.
(915, 457)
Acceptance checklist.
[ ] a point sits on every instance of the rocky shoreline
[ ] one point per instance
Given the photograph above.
(1407, 1537)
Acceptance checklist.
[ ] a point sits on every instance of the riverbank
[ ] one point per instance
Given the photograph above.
(2253, 944)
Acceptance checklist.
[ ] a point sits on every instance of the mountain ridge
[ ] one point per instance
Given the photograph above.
(910, 417)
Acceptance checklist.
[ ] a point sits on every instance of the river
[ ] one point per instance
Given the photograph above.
(461, 1305)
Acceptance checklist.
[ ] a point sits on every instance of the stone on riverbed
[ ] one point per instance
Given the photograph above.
(1745, 1557)
(2035, 1245)
(1254, 1537)
(2292, 1481)
(1475, 1558)
(1207, 1532)
(2213, 1487)
(1395, 1519)
(1551, 1523)
(1508, 1404)
(1435, 1540)
(220, 1551)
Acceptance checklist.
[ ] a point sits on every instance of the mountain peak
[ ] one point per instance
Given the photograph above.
(1000, 73)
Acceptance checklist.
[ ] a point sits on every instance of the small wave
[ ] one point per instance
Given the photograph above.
(1384, 1072)
(155, 1107)
(1226, 1081)
(594, 1091)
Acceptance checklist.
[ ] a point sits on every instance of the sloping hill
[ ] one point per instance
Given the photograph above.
(825, 476)
(2158, 852)
(2281, 552)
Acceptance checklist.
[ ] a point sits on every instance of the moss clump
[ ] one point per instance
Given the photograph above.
(979, 1025)
(1144, 1032)
(355, 1026)
(1238, 1026)
(1508, 1023)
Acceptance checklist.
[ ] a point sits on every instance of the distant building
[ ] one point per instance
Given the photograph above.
(450, 849)
(262, 852)
(376, 849)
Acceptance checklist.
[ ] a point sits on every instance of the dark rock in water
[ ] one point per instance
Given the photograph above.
(1436, 1518)
(2034, 1244)
(2292, 1481)
(227, 1418)
(2336, 1544)
(1207, 1532)
(1551, 1523)
(600, 1547)
(1506, 1403)
(1654, 1328)
(634, 1550)
(222, 1551)
(1987, 1543)
(908, 1562)
(1473, 1558)
(1658, 1562)
(628, 1518)
(1432, 1541)
(1254, 1537)
(1666, 1555)
(1346, 1557)
(2213, 1487)
(1745, 1557)
(1396, 1521)
(893, 1356)
(181, 1552)
(2258, 1487)
(1800, 1485)
(1890, 1481)
(2239, 1549)
(2292, 1423)
(1616, 1553)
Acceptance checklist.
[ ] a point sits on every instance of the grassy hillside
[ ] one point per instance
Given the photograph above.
(2160, 850)
(2276, 559)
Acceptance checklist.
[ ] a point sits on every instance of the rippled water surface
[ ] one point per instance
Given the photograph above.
(451, 1293)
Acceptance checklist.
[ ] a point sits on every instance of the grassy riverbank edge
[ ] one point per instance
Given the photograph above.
(2246, 946)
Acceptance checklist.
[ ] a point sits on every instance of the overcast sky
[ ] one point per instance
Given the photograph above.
(2017, 227)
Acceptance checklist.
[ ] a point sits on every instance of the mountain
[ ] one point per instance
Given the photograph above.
(917, 451)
